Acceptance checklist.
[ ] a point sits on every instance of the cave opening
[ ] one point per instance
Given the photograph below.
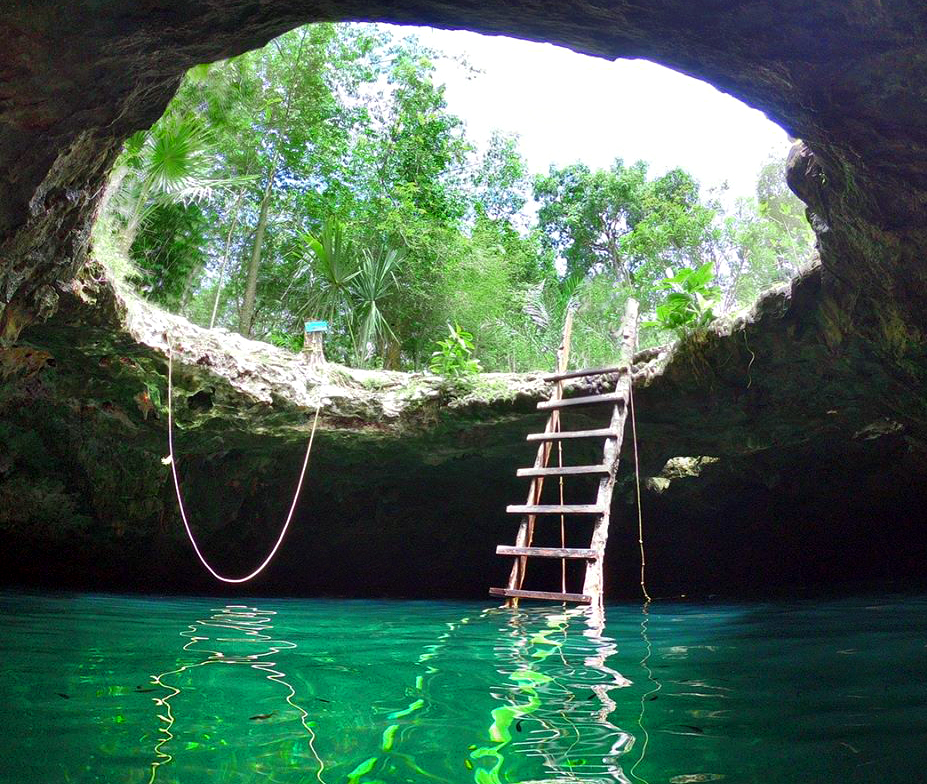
(244, 167)
(375, 177)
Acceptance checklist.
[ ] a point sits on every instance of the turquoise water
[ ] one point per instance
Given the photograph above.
(125, 689)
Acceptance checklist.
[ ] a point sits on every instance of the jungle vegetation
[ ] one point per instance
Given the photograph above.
(324, 177)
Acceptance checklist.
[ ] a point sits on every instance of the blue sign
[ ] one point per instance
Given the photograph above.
(316, 326)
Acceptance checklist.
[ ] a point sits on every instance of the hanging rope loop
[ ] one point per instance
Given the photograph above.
(183, 512)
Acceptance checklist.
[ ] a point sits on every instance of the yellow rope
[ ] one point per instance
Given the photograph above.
(645, 663)
(637, 484)
(645, 609)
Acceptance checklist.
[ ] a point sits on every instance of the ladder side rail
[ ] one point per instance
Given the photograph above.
(593, 583)
(563, 360)
(526, 527)
(525, 533)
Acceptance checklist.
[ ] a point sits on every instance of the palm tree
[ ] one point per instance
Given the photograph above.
(370, 288)
(169, 164)
(547, 303)
(352, 284)
(331, 260)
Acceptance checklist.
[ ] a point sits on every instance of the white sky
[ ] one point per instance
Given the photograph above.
(568, 107)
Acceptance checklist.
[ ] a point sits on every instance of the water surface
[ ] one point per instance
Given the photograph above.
(125, 689)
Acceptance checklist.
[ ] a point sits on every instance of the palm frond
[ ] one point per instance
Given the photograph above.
(535, 308)
(175, 155)
(569, 290)
(373, 284)
(332, 262)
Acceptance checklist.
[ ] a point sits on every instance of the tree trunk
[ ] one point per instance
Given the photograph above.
(730, 296)
(225, 258)
(392, 355)
(246, 318)
(135, 218)
(188, 288)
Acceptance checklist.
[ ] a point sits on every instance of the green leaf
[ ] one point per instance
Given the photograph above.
(678, 299)
(699, 277)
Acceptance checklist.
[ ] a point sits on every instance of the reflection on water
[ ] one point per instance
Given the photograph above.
(342, 692)
(556, 698)
(553, 683)
(646, 696)
(233, 635)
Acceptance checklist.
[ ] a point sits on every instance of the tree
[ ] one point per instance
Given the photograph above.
(169, 164)
(500, 180)
(324, 176)
(332, 261)
(153, 213)
(411, 165)
(371, 290)
(170, 251)
(764, 240)
(280, 122)
(306, 95)
(618, 220)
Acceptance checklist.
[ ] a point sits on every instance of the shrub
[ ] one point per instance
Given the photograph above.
(690, 303)
(454, 356)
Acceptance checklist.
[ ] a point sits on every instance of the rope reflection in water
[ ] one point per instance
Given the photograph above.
(250, 648)
(647, 695)
(549, 670)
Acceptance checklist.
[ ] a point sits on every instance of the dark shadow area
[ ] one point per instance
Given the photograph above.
(381, 523)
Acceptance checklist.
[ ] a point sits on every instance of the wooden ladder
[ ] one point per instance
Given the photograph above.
(593, 555)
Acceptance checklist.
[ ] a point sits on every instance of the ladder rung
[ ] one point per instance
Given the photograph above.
(563, 470)
(615, 398)
(511, 593)
(590, 509)
(585, 553)
(590, 372)
(565, 434)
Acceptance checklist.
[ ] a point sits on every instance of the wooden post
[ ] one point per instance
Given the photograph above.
(314, 343)
(593, 584)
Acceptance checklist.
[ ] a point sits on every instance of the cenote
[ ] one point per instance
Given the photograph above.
(259, 226)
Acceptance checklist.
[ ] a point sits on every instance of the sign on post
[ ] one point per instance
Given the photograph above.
(314, 342)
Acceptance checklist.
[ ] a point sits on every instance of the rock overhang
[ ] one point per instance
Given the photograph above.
(77, 80)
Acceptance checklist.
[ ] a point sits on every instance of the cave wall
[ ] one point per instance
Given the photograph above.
(375, 519)
(808, 480)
